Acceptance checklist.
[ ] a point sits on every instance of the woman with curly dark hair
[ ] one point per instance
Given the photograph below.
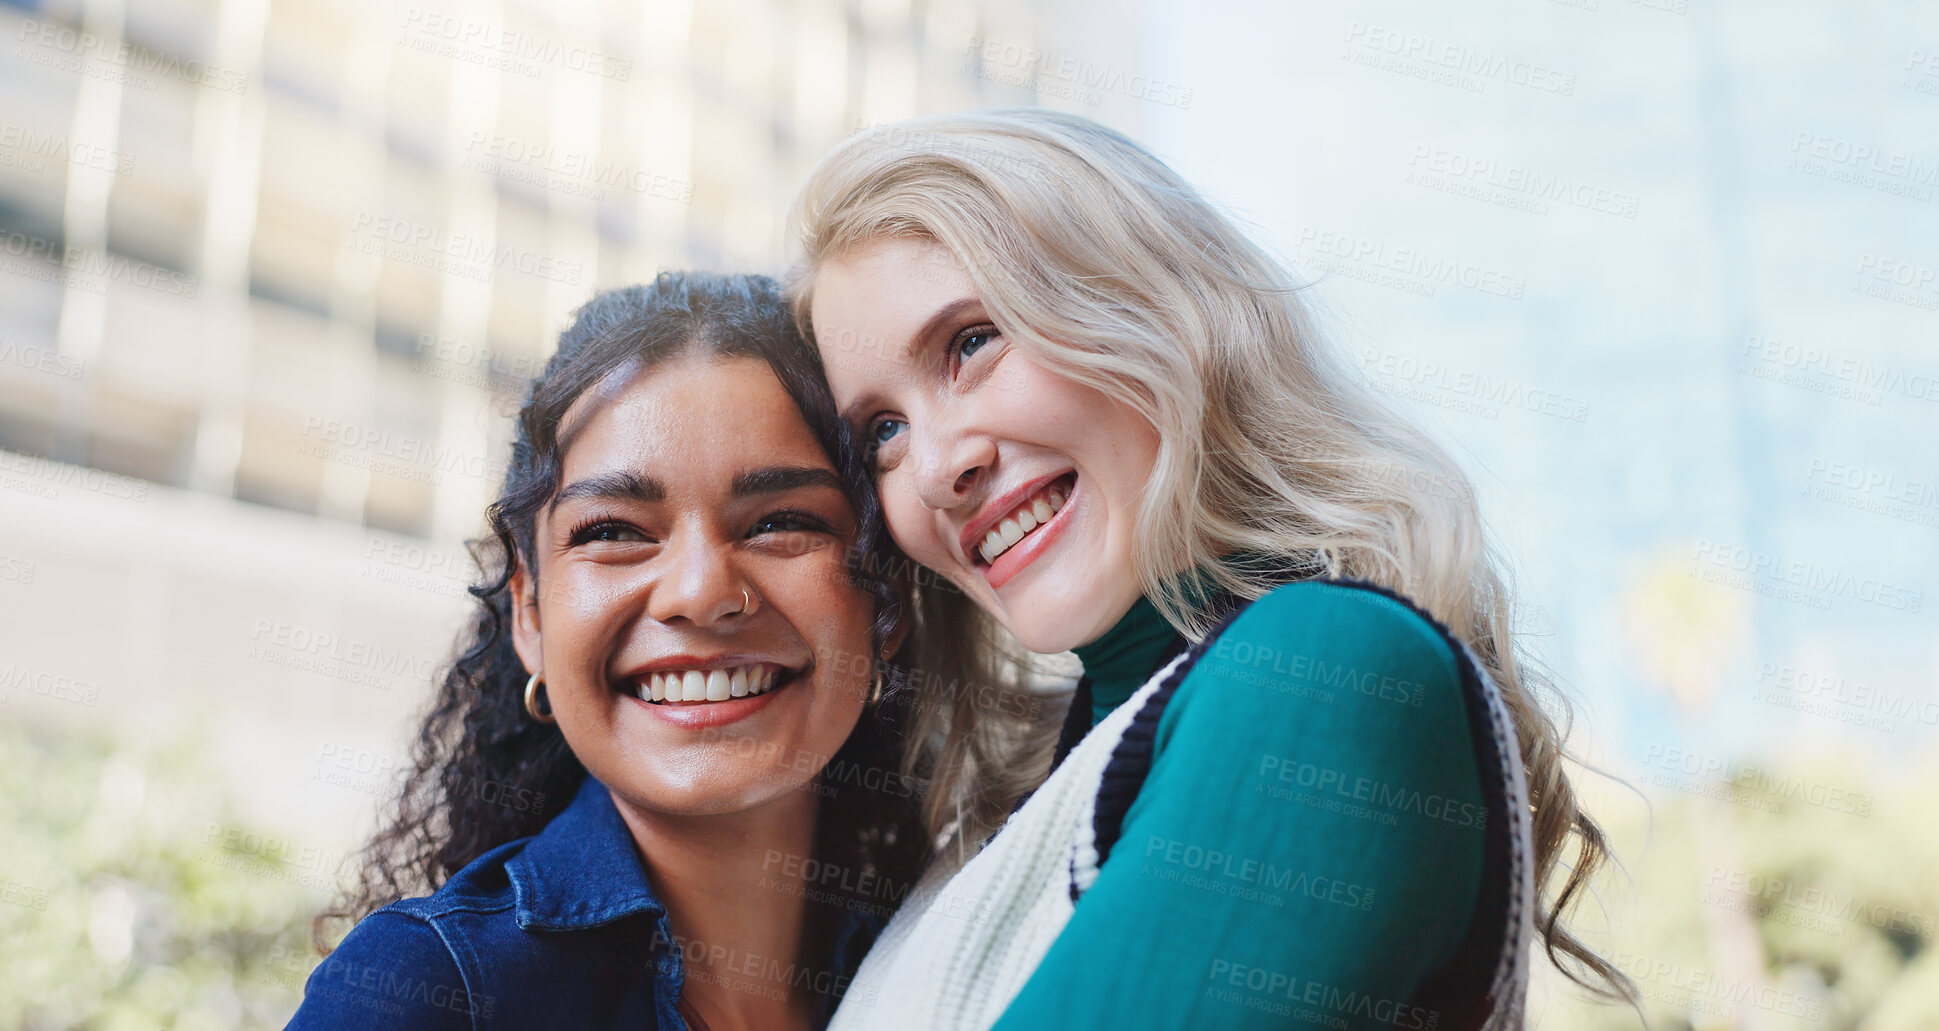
(666, 733)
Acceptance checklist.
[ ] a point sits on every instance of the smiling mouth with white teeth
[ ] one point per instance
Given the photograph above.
(684, 687)
(1024, 520)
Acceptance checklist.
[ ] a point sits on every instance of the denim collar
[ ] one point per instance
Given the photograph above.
(581, 871)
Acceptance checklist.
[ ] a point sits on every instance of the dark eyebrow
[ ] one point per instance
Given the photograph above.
(930, 326)
(625, 486)
(777, 478)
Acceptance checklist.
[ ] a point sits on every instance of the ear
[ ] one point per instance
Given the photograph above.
(525, 619)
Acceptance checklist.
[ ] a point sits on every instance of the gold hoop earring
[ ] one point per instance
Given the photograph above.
(532, 701)
(875, 689)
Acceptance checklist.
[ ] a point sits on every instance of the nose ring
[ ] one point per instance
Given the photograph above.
(746, 603)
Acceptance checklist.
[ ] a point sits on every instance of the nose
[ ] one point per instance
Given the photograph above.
(949, 464)
(698, 582)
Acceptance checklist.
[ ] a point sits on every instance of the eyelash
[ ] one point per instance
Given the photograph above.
(803, 522)
(950, 352)
(583, 533)
(955, 345)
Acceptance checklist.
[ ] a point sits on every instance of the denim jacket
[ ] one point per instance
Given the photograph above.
(557, 930)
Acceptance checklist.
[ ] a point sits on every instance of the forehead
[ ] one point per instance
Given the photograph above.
(694, 420)
(886, 285)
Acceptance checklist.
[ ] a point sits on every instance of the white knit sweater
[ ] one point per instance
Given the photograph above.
(962, 946)
(967, 939)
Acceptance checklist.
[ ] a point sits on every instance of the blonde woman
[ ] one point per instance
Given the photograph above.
(1305, 777)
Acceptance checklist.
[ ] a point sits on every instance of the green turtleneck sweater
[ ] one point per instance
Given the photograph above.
(1119, 662)
(1307, 847)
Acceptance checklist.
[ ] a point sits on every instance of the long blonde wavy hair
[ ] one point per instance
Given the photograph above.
(1101, 264)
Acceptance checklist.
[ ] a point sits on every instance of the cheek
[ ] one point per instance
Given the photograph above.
(910, 523)
(1113, 443)
(583, 613)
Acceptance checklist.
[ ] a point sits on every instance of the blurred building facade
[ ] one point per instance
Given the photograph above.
(274, 274)
(299, 253)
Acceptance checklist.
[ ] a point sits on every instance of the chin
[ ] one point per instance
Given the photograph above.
(1044, 640)
(715, 799)
(1048, 628)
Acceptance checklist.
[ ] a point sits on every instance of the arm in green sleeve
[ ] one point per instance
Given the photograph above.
(1307, 845)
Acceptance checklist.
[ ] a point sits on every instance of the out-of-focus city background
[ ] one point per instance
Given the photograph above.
(273, 272)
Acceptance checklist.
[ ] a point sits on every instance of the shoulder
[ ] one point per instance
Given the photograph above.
(401, 965)
(1325, 679)
(1337, 708)
(396, 935)
(393, 970)
(1343, 615)
(1347, 644)
(481, 886)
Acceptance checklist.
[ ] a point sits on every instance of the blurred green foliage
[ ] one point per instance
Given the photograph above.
(131, 897)
(1834, 903)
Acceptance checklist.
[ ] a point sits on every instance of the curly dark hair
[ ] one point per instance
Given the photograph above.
(482, 771)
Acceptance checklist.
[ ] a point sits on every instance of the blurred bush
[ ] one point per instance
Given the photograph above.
(132, 897)
(1756, 909)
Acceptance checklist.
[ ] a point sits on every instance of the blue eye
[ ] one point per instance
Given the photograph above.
(884, 430)
(974, 342)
